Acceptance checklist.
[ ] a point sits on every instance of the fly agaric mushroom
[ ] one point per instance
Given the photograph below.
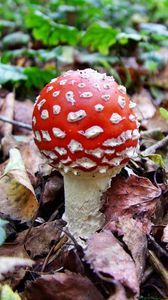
(84, 124)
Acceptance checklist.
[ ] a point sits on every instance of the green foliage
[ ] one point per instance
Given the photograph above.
(8, 294)
(100, 36)
(49, 32)
(38, 78)
(11, 73)
(2, 231)
(164, 113)
(15, 38)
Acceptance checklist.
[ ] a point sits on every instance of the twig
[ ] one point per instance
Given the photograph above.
(157, 246)
(158, 266)
(153, 148)
(17, 123)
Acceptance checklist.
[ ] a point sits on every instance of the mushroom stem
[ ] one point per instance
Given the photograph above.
(83, 201)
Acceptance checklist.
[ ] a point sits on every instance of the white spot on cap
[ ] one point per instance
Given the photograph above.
(41, 103)
(92, 132)
(81, 85)
(56, 93)
(50, 88)
(72, 82)
(130, 152)
(56, 109)
(53, 80)
(97, 86)
(61, 150)
(51, 154)
(58, 133)
(132, 104)
(122, 89)
(70, 97)
(86, 95)
(95, 152)
(135, 134)
(85, 163)
(106, 86)
(109, 151)
(132, 118)
(116, 118)
(112, 142)
(126, 135)
(99, 107)
(37, 98)
(106, 97)
(84, 74)
(46, 135)
(67, 160)
(121, 101)
(34, 120)
(75, 146)
(102, 170)
(114, 161)
(44, 114)
(37, 136)
(76, 116)
(63, 82)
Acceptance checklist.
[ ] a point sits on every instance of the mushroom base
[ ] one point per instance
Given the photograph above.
(83, 201)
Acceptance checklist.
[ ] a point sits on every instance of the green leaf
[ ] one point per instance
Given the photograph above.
(15, 38)
(49, 32)
(124, 37)
(157, 159)
(100, 36)
(11, 73)
(38, 77)
(164, 113)
(8, 294)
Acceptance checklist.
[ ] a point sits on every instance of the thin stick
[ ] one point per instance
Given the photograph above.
(153, 148)
(158, 266)
(17, 123)
(157, 246)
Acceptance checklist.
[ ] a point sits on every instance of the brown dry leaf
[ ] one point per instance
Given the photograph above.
(23, 113)
(161, 79)
(145, 108)
(7, 110)
(37, 243)
(8, 264)
(52, 187)
(157, 121)
(17, 197)
(30, 154)
(134, 196)
(105, 254)
(62, 286)
(135, 239)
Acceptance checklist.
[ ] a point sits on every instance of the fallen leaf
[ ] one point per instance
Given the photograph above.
(157, 121)
(105, 255)
(17, 197)
(23, 113)
(62, 286)
(52, 188)
(134, 196)
(9, 264)
(161, 79)
(7, 110)
(30, 154)
(38, 241)
(145, 108)
(135, 239)
(8, 294)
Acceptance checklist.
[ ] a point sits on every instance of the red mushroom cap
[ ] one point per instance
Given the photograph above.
(84, 120)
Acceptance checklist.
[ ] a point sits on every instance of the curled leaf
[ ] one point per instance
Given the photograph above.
(17, 196)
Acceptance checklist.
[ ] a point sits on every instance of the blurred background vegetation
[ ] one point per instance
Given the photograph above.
(40, 39)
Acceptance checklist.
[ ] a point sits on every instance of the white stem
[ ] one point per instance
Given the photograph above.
(83, 202)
